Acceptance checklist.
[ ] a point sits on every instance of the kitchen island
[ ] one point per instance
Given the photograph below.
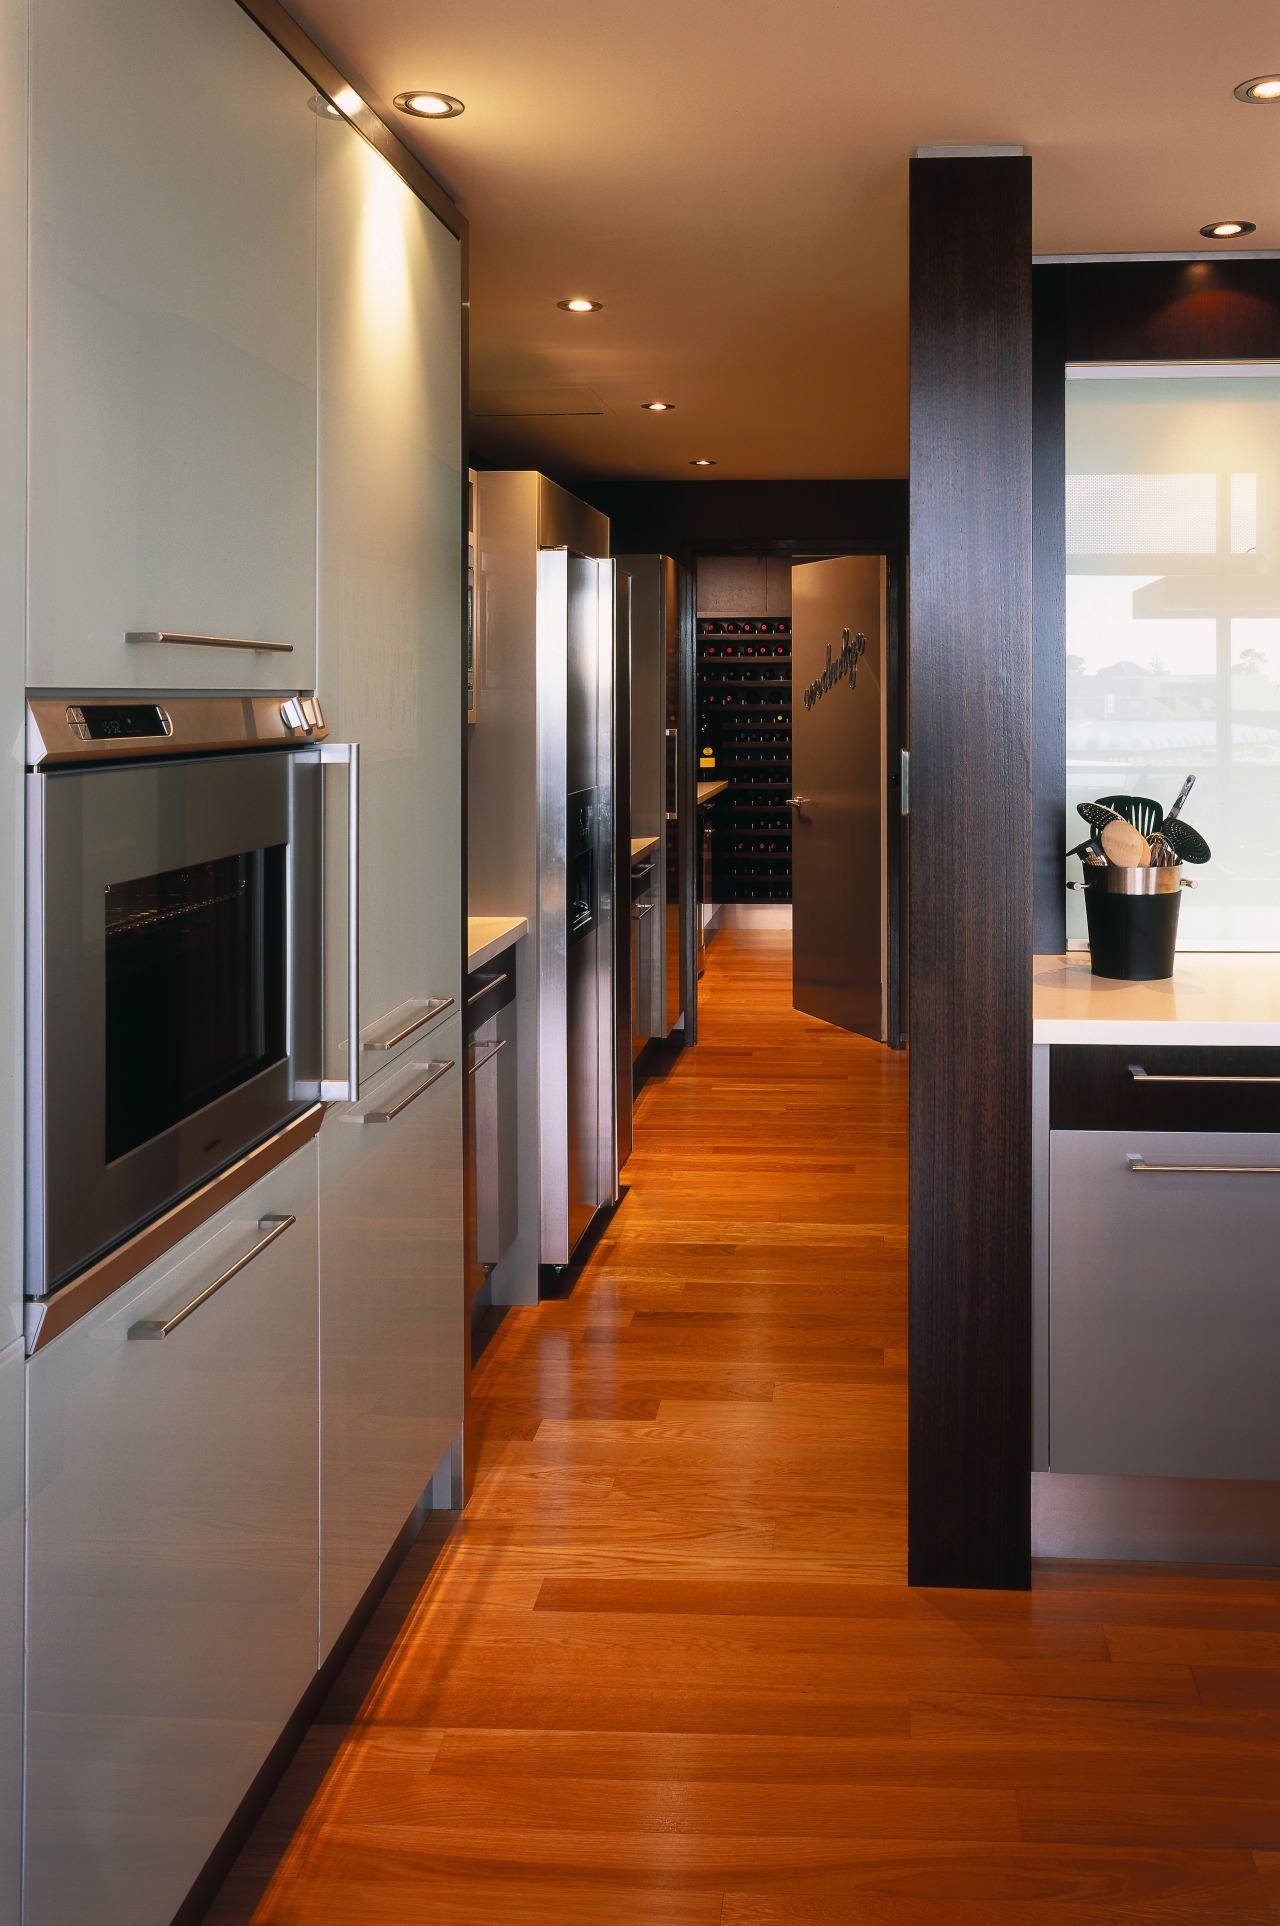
(1157, 1202)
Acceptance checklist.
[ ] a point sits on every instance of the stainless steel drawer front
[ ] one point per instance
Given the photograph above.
(1164, 1304)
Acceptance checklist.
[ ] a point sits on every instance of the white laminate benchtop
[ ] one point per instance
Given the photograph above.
(708, 791)
(1210, 998)
(488, 936)
(642, 846)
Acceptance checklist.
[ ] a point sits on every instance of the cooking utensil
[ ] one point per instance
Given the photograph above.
(1163, 853)
(1189, 844)
(1142, 811)
(1183, 793)
(1095, 814)
(1124, 845)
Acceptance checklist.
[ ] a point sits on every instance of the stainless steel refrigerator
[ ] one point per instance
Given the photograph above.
(541, 843)
(663, 788)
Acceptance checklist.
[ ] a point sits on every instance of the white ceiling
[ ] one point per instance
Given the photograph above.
(730, 178)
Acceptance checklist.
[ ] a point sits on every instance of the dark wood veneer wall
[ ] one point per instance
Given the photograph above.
(969, 1424)
(1106, 312)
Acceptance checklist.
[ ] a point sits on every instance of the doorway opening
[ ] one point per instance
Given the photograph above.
(796, 693)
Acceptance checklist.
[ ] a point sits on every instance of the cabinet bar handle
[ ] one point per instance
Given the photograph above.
(438, 1070)
(485, 988)
(642, 869)
(208, 641)
(1140, 1075)
(434, 1006)
(478, 1062)
(160, 1328)
(640, 910)
(1141, 1169)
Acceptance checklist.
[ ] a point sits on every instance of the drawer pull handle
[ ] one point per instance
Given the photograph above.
(640, 910)
(1141, 1169)
(208, 641)
(491, 983)
(438, 1070)
(150, 1327)
(434, 1006)
(479, 1061)
(1140, 1075)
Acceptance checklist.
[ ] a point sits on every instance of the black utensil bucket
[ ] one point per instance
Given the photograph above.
(1132, 937)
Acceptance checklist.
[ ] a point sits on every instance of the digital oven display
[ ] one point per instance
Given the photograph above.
(114, 722)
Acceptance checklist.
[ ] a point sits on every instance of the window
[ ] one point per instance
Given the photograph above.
(1173, 621)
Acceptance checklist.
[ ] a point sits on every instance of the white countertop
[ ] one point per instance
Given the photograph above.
(641, 846)
(1210, 998)
(488, 936)
(708, 791)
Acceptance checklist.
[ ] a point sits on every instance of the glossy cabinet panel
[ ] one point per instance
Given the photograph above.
(391, 562)
(13, 562)
(1164, 1317)
(172, 1492)
(12, 1363)
(172, 353)
(391, 1312)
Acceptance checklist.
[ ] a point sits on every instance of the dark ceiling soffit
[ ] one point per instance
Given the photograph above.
(321, 71)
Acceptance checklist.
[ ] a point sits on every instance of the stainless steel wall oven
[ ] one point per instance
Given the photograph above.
(176, 957)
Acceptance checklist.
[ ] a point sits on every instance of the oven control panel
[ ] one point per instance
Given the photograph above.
(117, 721)
(96, 727)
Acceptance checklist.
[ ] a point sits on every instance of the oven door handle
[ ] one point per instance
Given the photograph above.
(339, 1089)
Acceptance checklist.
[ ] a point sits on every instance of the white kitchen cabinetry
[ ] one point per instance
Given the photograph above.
(172, 1492)
(172, 347)
(390, 580)
(391, 1311)
(11, 1521)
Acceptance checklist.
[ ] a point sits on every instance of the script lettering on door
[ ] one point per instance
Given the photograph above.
(845, 664)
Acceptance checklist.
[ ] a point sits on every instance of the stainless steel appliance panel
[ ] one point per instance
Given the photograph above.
(623, 925)
(172, 884)
(1164, 1317)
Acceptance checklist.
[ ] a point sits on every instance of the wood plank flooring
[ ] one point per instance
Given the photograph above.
(667, 1672)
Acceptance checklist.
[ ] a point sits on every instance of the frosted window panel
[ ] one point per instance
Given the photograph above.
(1173, 624)
(1142, 514)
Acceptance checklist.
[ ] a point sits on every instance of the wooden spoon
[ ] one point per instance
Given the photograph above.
(1124, 845)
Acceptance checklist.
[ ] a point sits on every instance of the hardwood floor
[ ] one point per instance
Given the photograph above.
(668, 1672)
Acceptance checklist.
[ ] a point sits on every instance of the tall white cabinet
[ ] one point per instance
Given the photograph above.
(244, 395)
(390, 636)
(173, 387)
(13, 318)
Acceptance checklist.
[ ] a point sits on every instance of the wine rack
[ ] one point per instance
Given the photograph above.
(744, 718)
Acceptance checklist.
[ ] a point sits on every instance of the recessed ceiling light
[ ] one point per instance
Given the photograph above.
(702, 462)
(429, 105)
(658, 407)
(1258, 92)
(1228, 230)
(324, 108)
(347, 101)
(579, 304)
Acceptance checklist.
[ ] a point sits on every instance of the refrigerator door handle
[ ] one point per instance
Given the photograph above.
(673, 775)
(347, 1089)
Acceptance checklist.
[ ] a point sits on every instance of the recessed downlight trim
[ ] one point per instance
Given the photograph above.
(1228, 230)
(658, 407)
(1247, 91)
(416, 101)
(580, 304)
(702, 461)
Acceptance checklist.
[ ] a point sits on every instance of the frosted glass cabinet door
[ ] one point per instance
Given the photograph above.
(391, 561)
(391, 1313)
(172, 1562)
(172, 348)
(12, 1364)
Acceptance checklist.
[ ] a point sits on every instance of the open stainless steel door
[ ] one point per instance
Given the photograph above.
(838, 799)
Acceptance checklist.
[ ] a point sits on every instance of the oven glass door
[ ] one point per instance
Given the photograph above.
(180, 965)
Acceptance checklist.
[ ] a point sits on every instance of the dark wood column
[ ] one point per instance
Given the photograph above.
(971, 873)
